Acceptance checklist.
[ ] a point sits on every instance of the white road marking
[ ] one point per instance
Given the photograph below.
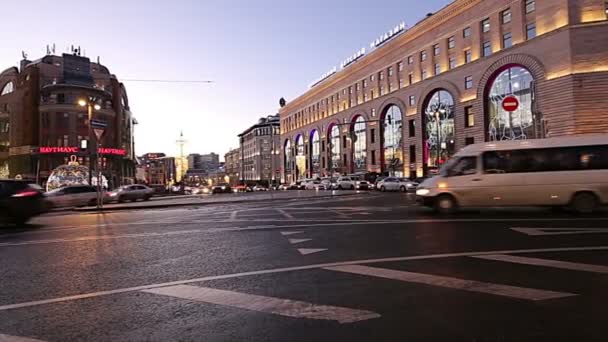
(307, 251)
(271, 305)
(546, 263)
(9, 338)
(290, 233)
(296, 241)
(339, 213)
(560, 231)
(284, 213)
(453, 283)
(293, 269)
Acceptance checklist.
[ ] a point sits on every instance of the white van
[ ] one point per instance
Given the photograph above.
(555, 172)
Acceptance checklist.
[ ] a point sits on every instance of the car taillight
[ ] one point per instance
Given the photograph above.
(26, 193)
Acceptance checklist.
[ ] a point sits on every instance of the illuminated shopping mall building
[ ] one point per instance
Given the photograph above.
(416, 95)
(42, 124)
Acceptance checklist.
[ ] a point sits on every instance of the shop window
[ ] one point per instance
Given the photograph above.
(469, 117)
(531, 31)
(439, 134)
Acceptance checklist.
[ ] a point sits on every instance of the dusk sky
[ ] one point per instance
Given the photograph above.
(254, 51)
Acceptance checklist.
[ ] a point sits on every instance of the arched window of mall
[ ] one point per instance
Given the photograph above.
(315, 154)
(300, 158)
(392, 141)
(334, 164)
(358, 137)
(8, 88)
(438, 140)
(287, 161)
(520, 124)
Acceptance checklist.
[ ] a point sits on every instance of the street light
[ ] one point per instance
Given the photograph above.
(92, 104)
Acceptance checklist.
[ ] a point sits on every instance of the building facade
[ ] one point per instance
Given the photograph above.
(42, 125)
(260, 157)
(232, 165)
(205, 162)
(452, 79)
(159, 170)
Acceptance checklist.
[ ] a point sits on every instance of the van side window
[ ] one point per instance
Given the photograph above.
(464, 166)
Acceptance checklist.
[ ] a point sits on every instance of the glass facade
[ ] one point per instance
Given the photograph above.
(315, 155)
(520, 124)
(300, 158)
(334, 150)
(359, 136)
(392, 127)
(439, 143)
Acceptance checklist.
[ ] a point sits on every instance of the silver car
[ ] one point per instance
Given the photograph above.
(130, 193)
(72, 196)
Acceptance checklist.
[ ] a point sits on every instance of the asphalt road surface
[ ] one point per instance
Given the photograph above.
(360, 268)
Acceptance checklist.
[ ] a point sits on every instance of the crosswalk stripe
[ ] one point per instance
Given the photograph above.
(545, 262)
(9, 338)
(453, 283)
(277, 306)
(296, 241)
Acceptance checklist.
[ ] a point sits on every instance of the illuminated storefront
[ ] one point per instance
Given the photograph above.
(439, 140)
(392, 141)
(359, 139)
(315, 154)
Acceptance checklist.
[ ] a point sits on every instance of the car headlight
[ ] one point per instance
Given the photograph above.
(422, 192)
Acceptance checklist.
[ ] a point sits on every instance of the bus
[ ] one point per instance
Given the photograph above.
(559, 172)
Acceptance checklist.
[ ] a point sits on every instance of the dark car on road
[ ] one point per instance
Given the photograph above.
(20, 201)
(221, 188)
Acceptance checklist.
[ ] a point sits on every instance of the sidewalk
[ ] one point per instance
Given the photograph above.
(198, 200)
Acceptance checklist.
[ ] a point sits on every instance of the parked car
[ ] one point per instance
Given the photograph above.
(389, 184)
(315, 185)
(327, 184)
(20, 201)
(345, 183)
(296, 186)
(362, 185)
(407, 185)
(376, 183)
(221, 188)
(130, 193)
(260, 188)
(241, 188)
(283, 187)
(72, 196)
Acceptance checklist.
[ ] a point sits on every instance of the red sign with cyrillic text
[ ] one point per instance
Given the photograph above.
(75, 150)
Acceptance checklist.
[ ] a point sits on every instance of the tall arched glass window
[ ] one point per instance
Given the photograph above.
(334, 150)
(518, 125)
(8, 88)
(300, 157)
(287, 153)
(392, 141)
(439, 144)
(315, 155)
(359, 137)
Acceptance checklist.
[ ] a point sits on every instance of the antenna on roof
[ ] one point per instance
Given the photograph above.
(98, 60)
(23, 54)
(48, 50)
(53, 49)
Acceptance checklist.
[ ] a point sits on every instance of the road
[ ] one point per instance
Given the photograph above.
(369, 267)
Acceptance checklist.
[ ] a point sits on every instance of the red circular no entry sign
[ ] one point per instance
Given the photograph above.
(510, 103)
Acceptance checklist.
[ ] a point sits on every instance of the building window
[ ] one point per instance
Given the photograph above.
(468, 57)
(438, 129)
(436, 50)
(373, 111)
(372, 135)
(410, 59)
(469, 117)
(8, 88)
(423, 55)
(400, 66)
(372, 78)
(365, 97)
(381, 75)
(485, 25)
(452, 62)
(373, 157)
(390, 71)
(390, 87)
(323, 146)
(412, 100)
(469, 141)
(530, 6)
(468, 82)
(466, 32)
(423, 74)
(350, 90)
(451, 42)
(344, 141)
(412, 128)
(507, 40)
(531, 30)
(381, 90)
(410, 78)
(487, 49)
(506, 16)
(371, 94)
(437, 69)
(412, 154)
(364, 83)
(356, 86)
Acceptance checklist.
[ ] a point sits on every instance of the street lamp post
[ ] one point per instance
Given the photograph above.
(91, 103)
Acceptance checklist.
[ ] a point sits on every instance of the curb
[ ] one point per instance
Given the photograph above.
(173, 205)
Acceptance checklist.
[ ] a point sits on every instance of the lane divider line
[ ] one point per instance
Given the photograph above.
(566, 265)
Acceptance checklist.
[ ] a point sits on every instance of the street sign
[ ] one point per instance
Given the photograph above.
(510, 103)
(98, 132)
(98, 124)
